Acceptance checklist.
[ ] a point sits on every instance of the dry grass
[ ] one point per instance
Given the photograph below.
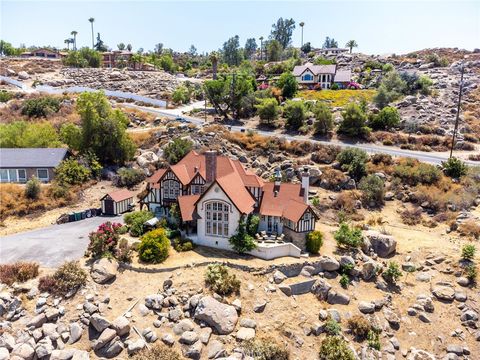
(13, 201)
(19, 271)
(143, 139)
(411, 217)
(469, 229)
(338, 98)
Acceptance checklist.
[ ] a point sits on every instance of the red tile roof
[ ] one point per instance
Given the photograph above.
(156, 176)
(186, 203)
(120, 195)
(288, 202)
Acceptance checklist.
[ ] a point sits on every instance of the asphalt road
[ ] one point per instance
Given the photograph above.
(52, 245)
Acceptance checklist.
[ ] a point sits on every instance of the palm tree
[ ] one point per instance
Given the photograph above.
(91, 23)
(214, 60)
(261, 46)
(67, 41)
(351, 44)
(301, 25)
(74, 33)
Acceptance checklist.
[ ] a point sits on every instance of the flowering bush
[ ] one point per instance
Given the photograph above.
(103, 242)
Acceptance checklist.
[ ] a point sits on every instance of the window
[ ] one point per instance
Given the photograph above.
(22, 175)
(307, 77)
(171, 189)
(196, 189)
(216, 216)
(4, 175)
(42, 174)
(13, 175)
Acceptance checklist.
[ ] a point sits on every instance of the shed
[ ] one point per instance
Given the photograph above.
(117, 202)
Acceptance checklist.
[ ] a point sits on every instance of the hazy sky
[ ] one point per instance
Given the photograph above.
(379, 27)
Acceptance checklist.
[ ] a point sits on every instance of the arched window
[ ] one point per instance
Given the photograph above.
(307, 77)
(216, 218)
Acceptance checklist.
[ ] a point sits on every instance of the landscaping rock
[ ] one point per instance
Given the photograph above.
(259, 307)
(320, 289)
(444, 293)
(221, 317)
(278, 277)
(329, 264)
(121, 326)
(189, 337)
(383, 245)
(76, 331)
(245, 334)
(154, 302)
(182, 326)
(338, 298)
(366, 307)
(216, 350)
(99, 322)
(104, 270)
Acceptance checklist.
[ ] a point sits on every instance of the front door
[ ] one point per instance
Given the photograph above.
(109, 207)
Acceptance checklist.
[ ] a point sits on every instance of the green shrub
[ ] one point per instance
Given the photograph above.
(373, 339)
(154, 246)
(69, 277)
(129, 177)
(32, 189)
(177, 149)
(181, 245)
(71, 172)
(424, 84)
(135, 221)
(349, 237)
(242, 241)
(386, 119)
(323, 119)
(359, 326)
(218, 278)
(468, 252)
(344, 281)
(5, 96)
(294, 113)
(354, 122)
(288, 84)
(372, 188)
(265, 349)
(181, 95)
(40, 107)
(85, 57)
(268, 110)
(471, 273)
(335, 348)
(332, 327)
(157, 352)
(19, 271)
(454, 168)
(413, 172)
(353, 161)
(314, 242)
(47, 283)
(393, 272)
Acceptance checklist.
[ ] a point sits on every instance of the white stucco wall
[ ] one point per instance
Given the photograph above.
(216, 193)
(268, 252)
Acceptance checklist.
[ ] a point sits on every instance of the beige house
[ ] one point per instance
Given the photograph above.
(310, 74)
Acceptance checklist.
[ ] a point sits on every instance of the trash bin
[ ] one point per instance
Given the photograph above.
(84, 215)
(78, 216)
(71, 217)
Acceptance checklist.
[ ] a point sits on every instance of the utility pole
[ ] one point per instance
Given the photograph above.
(462, 69)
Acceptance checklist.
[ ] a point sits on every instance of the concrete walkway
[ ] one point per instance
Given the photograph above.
(53, 245)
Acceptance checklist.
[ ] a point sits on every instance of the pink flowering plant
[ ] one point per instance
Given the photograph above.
(103, 242)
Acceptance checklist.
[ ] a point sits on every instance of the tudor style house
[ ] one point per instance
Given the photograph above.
(322, 76)
(213, 193)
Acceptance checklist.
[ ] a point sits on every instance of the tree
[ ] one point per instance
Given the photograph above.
(288, 84)
(214, 61)
(250, 47)
(71, 172)
(103, 129)
(454, 168)
(129, 47)
(192, 51)
(274, 50)
(261, 47)
(85, 57)
(351, 44)
(74, 34)
(382, 97)
(67, 41)
(100, 45)
(354, 121)
(353, 161)
(306, 48)
(7, 49)
(282, 31)
(92, 20)
(232, 54)
(181, 95)
(177, 149)
(329, 43)
(386, 119)
(268, 110)
(294, 113)
(323, 119)
(242, 241)
(121, 46)
(373, 190)
(158, 49)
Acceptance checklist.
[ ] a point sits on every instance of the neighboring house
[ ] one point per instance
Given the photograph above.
(116, 58)
(44, 53)
(212, 193)
(20, 164)
(321, 76)
(332, 51)
(117, 202)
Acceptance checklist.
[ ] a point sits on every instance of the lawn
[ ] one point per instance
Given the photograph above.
(337, 98)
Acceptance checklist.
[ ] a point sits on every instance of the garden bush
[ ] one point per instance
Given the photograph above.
(468, 252)
(103, 242)
(386, 119)
(32, 189)
(128, 177)
(40, 107)
(353, 161)
(71, 172)
(157, 352)
(373, 190)
(19, 271)
(359, 326)
(454, 168)
(323, 119)
(314, 242)
(218, 278)
(181, 95)
(5, 96)
(182, 245)
(295, 114)
(154, 246)
(347, 236)
(354, 122)
(177, 149)
(265, 349)
(288, 84)
(68, 278)
(242, 241)
(373, 339)
(335, 348)
(268, 110)
(135, 221)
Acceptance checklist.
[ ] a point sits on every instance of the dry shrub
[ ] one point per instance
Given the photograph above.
(265, 349)
(333, 179)
(470, 229)
(143, 139)
(157, 352)
(474, 157)
(325, 155)
(412, 217)
(359, 326)
(19, 271)
(67, 278)
(346, 201)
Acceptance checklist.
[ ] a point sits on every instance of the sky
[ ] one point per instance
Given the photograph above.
(379, 27)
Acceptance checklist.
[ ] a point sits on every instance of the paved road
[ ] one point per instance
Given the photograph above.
(53, 245)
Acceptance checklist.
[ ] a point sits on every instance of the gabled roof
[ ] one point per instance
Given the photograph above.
(120, 195)
(343, 76)
(232, 185)
(314, 69)
(287, 203)
(31, 157)
(186, 204)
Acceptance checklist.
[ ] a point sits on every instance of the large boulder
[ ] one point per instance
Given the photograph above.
(383, 245)
(221, 317)
(329, 264)
(369, 270)
(445, 293)
(321, 288)
(23, 75)
(104, 270)
(147, 158)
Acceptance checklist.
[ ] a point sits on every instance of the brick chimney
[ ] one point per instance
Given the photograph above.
(305, 184)
(210, 166)
(278, 180)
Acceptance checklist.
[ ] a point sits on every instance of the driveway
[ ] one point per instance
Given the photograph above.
(53, 245)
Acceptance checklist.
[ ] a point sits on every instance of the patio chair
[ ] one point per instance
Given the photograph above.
(258, 237)
(263, 233)
(281, 237)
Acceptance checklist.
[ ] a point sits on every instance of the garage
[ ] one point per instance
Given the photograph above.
(117, 202)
